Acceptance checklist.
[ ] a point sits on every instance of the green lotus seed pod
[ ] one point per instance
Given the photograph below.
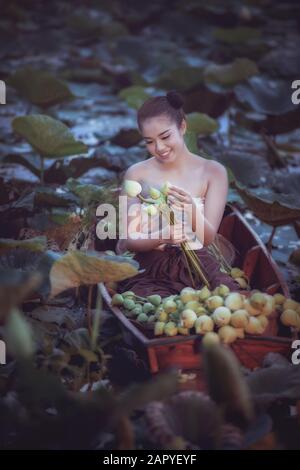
(154, 193)
(117, 299)
(129, 304)
(142, 318)
(151, 318)
(154, 299)
(147, 307)
(159, 328)
(137, 310)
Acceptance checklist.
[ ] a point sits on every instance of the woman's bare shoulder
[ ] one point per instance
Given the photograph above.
(139, 169)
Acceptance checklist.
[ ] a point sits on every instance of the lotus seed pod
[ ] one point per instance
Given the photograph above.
(223, 290)
(201, 311)
(183, 331)
(187, 294)
(170, 306)
(159, 328)
(227, 334)
(258, 300)
(188, 318)
(132, 188)
(253, 312)
(204, 293)
(154, 193)
(142, 318)
(128, 294)
(129, 304)
(290, 304)
(148, 307)
(163, 316)
(154, 299)
(117, 299)
(254, 326)
(214, 302)
(170, 329)
(234, 301)
(263, 320)
(269, 307)
(242, 282)
(279, 299)
(151, 318)
(193, 305)
(210, 338)
(239, 318)
(151, 210)
(203, 324)
(221, 316)
(236, 272)
(137, 310)
(290, 318)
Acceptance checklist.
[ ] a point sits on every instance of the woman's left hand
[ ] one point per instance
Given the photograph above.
(179, 197)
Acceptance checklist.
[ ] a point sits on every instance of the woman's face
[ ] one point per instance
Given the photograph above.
(164, 140)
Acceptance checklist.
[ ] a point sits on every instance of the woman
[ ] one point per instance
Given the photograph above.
(196, 182)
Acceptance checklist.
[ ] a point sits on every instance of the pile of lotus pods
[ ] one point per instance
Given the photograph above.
(219, 315)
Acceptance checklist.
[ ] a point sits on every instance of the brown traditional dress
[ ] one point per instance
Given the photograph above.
(166, 273)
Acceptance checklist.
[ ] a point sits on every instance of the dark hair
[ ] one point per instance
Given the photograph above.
(169, 104)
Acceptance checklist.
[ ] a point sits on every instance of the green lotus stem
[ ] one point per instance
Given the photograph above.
(218, 254)
(189, 269)
(147, 201)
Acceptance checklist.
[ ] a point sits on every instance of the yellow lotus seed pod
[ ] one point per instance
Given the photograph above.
(251, 310)
(159, 328)
(210, 338)
(188, 318)
(204, 324)
(170, 329)
(239, 318)
(227, 334)
(234, 301)
(204, 293)
(214, 302)
(279, 299)
(221, 316)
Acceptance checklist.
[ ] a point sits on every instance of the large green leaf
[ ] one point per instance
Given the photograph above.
(49, 137)
(78, 268)
(39, 87)
(230, 74)
(134, 95)
(201, 123)
(273, 212)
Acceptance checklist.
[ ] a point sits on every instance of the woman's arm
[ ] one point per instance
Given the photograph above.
(205, 225)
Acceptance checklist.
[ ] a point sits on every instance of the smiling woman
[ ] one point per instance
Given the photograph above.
(195, 183)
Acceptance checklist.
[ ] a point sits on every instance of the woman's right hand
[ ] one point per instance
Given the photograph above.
(174, 234)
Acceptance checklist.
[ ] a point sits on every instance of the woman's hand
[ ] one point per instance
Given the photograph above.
(178, 197)
(174, 234)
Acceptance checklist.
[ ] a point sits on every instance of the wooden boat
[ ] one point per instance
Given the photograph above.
(184, 352)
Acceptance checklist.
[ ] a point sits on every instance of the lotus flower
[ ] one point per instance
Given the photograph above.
(132, 188)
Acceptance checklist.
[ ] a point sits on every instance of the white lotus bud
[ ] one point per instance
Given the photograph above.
(242, 282)
(290, 304)
(165, 189)
(234, 301)
(236, 272)
(279, 299)
(239, 318)
(223, 290)
(170, 306)
(263, 321)
(204, 324)
(132, 188)
(258, 300)
(221, 316)
(269, 307)
(183, 331)
(201, 311)
(214, 302)
(193, 305)
(151, 210)
(188, 318)
(159, 328)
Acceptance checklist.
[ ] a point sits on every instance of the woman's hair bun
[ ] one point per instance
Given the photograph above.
(175, 99)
